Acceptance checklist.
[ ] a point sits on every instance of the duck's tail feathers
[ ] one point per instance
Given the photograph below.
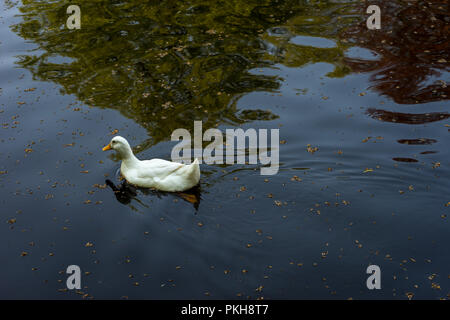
(195, 172)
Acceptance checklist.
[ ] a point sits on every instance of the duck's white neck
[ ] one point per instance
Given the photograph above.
(128, 157)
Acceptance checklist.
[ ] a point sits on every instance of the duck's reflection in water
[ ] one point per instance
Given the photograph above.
(126, 192)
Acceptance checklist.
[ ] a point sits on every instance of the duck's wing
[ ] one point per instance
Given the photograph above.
(158, 168)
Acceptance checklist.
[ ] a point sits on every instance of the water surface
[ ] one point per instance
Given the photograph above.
(373, 103)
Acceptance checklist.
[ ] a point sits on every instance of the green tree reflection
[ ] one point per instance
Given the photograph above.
(165, 64)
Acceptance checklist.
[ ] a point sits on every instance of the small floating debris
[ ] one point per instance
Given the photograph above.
(436, 165)
(311, 149)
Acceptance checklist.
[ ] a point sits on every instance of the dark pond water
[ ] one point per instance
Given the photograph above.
(375, 191)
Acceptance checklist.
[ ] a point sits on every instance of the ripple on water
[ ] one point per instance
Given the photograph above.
(361, 53)
(316, 42)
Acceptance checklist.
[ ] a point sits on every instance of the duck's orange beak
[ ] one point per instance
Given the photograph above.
(108, 147)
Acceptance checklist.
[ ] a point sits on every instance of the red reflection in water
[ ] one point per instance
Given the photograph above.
(414, 46)
(417, 141)
(405, 160)
(408, 118)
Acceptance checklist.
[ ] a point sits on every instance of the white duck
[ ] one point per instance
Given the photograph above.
(156, 173)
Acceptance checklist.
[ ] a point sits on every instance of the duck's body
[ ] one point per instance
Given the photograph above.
(156, 173)
(161, 174)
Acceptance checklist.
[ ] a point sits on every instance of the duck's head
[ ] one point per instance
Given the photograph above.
(119, 144)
